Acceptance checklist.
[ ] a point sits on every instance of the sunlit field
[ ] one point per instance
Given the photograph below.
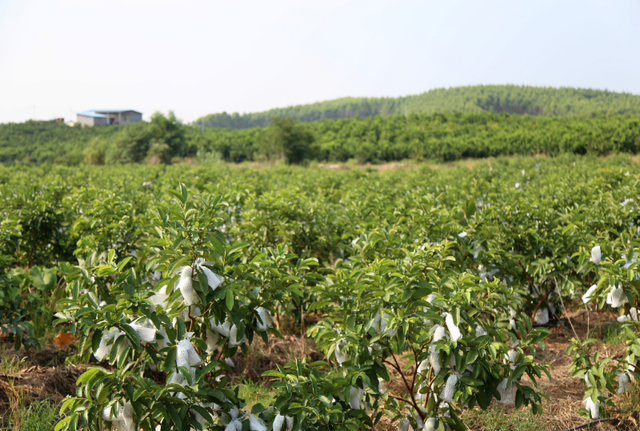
(485, 294)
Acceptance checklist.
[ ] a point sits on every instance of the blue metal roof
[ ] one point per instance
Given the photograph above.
(99, 113)
(91, 114)
(114, 111)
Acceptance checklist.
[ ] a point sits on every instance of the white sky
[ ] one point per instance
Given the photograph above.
(201, 57)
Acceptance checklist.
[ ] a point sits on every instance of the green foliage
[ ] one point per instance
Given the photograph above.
(98, 151)
(40, 236)
(255, 393)
(37, 416)
(25, 296)
(512, 99)
(319, 400)
(27, 300)
(391, 299)
(287, 137)
(168, 131)
(387, 259)
(437, 137)
(133, 145)
(125, 313)
(16, 303)
(162, 138)
(610, 258)
(35, 142)
(440, 137)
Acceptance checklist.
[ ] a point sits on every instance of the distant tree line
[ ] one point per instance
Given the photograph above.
(39, 142)
(438, 137)
(512, 99)
(161, 140)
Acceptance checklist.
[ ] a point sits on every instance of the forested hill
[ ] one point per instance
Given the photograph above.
(514, 99)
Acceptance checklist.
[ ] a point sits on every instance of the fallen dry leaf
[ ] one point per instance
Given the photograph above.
(63, 340)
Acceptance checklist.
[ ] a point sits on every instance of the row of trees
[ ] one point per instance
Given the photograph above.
(511, 99)
(438, 137)
(161, 139)
(158, 141)
(38, 142)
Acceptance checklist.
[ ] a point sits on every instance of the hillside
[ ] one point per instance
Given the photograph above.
(513, 99)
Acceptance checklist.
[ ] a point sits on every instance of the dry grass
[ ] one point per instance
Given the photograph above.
(29, 379)
(378, 167)
(262, 357)
(11, 395)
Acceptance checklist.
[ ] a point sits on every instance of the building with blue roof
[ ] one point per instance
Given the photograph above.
(102, 117)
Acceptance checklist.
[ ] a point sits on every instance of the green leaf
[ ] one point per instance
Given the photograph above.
(381, 371)
(184, 191)
(203, 412)
(257, 409)
(131, 334)
(406, 295)
(186, 374)
(63, 424)
(173, 414)
(178, 195)
(229, 299)
(182, 329)
(484, 399)
(170, 360)
(87, 375)
(123, 262)
(519, 399)
(42, 279)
